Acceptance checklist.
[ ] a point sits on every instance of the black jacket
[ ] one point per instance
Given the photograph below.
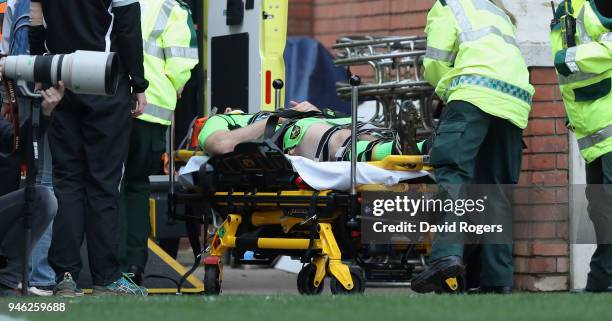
(6, 136)
(604, 7)
(97, 25)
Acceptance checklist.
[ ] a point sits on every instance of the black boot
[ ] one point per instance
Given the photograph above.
(446, 274)
(137, 272)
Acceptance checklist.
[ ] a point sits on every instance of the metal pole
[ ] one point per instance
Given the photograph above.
(171, 155)
(171, 197)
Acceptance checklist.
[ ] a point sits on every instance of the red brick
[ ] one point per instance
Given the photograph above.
(534, 231)
(541, 76)
(541, 127)
(563, 194)
(347, 9)
(543, 230)
(562, 265)
(542, 161)
(540, 213)
(521, 265)
(525, 178)
(521, 248)
(550, 248)
(548, 109)
(551, 178)
(520, 195)
(535, 196)
(401, 6)
(561, 127)
(547, 93)
(542, 265)
(547, 144)
(562, 230)
(562, 161)
(524, 282)
(410, 20)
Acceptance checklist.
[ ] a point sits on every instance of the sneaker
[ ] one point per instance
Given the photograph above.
(79, 292)
(41, 290)
(66, 288)
(124, 286)
(8, 292)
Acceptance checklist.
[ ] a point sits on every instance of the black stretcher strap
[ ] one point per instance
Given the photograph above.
(323, 148)
(312, 212)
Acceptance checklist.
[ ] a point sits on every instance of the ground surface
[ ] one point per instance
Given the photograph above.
(374, 307)
(253, 294)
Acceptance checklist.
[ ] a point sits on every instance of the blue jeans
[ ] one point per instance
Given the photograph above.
(11, 229)
(41, 273)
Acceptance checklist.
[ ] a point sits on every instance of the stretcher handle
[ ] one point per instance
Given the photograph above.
(278, 85)
(354, 81)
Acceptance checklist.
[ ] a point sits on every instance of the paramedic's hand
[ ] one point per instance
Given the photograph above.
(179, 92)
(303, 106)
(139, 101)
(52, 97)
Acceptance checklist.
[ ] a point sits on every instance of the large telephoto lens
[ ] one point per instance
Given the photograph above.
(83, 72)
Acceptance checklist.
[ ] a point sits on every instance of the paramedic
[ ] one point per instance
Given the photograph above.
(584, 72)
(170, 52)
(474, 62)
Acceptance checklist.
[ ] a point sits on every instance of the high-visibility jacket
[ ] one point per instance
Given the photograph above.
(170, 52)
(585, 74)
(2, 12)
(472, 55)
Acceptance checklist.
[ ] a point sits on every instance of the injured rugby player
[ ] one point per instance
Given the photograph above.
(303, 130)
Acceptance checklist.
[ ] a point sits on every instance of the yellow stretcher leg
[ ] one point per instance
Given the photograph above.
(330, 257)
(330, 248)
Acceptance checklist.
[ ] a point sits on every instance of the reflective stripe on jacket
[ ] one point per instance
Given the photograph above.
(472, 55)
(585, 77)
(170, 52)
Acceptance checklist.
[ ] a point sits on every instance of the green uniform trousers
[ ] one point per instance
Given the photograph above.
(599, 195)
(473, 147)
(147, 144)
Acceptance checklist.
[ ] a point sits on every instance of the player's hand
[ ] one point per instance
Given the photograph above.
(139, 101)
(52, 97)
(303, 106)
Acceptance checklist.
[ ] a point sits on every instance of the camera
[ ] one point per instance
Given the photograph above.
(83, 72)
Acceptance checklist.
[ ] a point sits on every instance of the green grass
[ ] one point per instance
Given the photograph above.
(518, 307)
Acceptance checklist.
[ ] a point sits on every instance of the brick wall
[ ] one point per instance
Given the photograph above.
(541, 211)
(541, 214)
(300, 18)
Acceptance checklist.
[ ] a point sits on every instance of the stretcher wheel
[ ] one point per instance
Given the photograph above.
(305, 281)
(358, 283)
(212, 280)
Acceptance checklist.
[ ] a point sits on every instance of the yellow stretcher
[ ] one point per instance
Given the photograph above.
(268, 210)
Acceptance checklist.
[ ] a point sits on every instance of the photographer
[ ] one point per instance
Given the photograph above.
(15, 42)
(12, 206)
(89, 138)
